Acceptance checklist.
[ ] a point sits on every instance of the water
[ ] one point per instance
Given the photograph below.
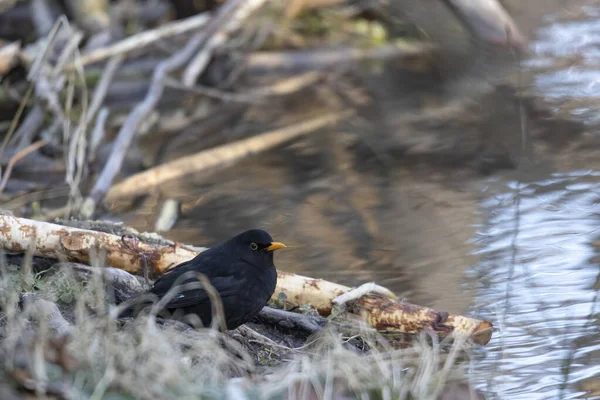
(539, 279)
(519, 247)
(539, 273)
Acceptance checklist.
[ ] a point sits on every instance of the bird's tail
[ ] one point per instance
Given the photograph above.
(132, 307)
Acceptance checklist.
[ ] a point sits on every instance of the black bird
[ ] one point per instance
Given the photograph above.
(241, 270)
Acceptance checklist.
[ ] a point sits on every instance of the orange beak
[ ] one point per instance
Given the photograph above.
(275, 246)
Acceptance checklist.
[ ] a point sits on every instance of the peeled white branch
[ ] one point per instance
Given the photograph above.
(378, 307)
(73, 244)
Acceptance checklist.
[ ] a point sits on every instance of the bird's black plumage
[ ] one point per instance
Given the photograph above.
(241, 270)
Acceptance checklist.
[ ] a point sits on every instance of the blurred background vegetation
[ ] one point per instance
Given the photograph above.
(445, 149)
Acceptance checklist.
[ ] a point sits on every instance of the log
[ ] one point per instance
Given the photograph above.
(382, 312)
(74, 244)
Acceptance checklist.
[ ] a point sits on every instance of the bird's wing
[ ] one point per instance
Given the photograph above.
(226, 286)
(224, 278)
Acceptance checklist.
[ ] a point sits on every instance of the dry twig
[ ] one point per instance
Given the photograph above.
(144, 39)
(284, 87)
(230, 18)
(295, 61)
(20, 155)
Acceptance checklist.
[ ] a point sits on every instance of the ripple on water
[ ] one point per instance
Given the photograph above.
(537, 280)
(567, 56)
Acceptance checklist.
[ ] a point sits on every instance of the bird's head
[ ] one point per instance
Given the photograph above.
(256, 247)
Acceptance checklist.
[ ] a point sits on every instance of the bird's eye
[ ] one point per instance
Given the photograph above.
(253, 246)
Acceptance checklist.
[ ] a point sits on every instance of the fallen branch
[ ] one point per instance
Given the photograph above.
(381, 312)
(218, 156)
(82, 245)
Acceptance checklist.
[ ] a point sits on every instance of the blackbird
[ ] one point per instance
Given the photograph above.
(241, 270)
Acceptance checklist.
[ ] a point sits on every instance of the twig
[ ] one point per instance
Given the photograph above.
(242, 9)
(76, 138)
(47, 43)
(15, 121)
(102, 87)
(322, 59)
(218, 156)
(67, 52)
(29, 149)
(134, 120)
(32, 122)
(42, 17)
(144, 39)
(98, 133)
(284, 87)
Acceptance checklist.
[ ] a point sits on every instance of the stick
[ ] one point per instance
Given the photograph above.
(218, 156)
(227, 21)
(281, 88)
(380, 312)
(42, 17)
(29, 127)
(144, 39)
(22, 153)
(102, 87)
(295, 61)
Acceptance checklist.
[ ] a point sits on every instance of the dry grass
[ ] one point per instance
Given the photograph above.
(105, 358)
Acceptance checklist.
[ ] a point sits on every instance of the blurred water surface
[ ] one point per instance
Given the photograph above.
(519, 247)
